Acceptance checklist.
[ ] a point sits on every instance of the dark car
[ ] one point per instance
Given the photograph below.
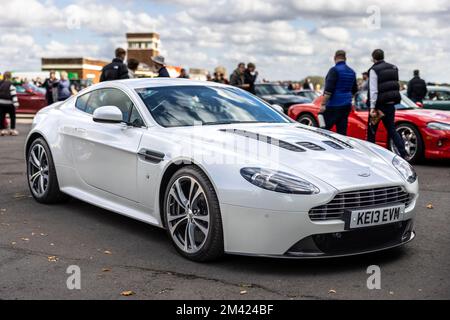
(437, 98)
(307, 94)
(276, 94)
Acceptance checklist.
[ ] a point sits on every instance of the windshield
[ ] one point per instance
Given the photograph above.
(405, 104)
(179, 106)
(270, 89)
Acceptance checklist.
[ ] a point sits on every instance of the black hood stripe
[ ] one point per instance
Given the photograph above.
(310, 146)
(266, 139)
(329, 136)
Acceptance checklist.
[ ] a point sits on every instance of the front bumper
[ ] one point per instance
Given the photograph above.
(354, 242)
(285, 234)
(437, 144)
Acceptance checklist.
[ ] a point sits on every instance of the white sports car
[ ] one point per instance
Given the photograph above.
(221, 170)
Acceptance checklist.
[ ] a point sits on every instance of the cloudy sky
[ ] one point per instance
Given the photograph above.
(287, 39)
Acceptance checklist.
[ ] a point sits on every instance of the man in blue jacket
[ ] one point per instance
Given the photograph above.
(340, 87)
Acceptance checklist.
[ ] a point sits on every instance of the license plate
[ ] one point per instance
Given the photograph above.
(374, 216)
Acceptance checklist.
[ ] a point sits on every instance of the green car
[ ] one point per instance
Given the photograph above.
(437, 98)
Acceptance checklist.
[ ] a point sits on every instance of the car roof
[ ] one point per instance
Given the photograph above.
(438, 88)
(166, 82)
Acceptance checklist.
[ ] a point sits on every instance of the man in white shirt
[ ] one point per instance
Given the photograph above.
(384, 94)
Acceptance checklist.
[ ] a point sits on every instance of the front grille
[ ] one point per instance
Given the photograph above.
(360, 199)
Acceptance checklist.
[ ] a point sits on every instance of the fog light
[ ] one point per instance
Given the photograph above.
(337, 235)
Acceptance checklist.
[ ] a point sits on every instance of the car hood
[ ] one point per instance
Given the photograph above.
(427, 115)
(350, 166)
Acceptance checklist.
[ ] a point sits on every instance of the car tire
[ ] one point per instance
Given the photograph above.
(308, 119)
(41, 174)
(413, 142)
(192, 215)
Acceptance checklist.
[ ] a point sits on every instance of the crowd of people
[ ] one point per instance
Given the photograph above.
(341, 84)
(383, 87)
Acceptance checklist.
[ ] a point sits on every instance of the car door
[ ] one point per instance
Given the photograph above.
(105, 155)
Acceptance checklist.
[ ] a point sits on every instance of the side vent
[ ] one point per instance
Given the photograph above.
(310, 146)
(329, 136)
(266, 139)
(333, 145)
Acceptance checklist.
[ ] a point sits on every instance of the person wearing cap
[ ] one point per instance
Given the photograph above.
(340, 87)
(160, 66)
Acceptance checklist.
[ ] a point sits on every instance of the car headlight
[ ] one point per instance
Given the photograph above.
(278, 181)
(439, 126)
(405, 169)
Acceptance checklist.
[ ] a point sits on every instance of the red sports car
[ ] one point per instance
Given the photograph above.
(426, 132)
(31, 99)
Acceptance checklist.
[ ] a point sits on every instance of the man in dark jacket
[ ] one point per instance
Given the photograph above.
(417, 88)
(51, 88)
(237, 78)
(160, 65)
(250, 77)
(117, 69)
(384, 94)
(340, 87)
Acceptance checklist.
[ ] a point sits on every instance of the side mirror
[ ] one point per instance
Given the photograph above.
(108, 114)
(419, 104)
(278, 108)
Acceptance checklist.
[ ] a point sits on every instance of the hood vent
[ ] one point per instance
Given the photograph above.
(263, 138)
(310, 146)
(333, 145)
(326, 134)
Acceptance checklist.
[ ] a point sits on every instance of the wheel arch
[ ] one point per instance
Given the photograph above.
(169, 171)
(31, 138)
(400, 122)
(307, 112)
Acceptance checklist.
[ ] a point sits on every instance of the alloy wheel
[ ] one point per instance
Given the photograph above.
(410, 139)
(188, 215)
(306, 122)
(38, 170)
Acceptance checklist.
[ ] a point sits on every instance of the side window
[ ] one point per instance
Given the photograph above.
(432, 95)
(443, 95)
(135, 119)
(111, 97)
(82, 102)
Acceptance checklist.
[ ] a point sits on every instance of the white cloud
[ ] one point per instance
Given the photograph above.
(287, 39)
